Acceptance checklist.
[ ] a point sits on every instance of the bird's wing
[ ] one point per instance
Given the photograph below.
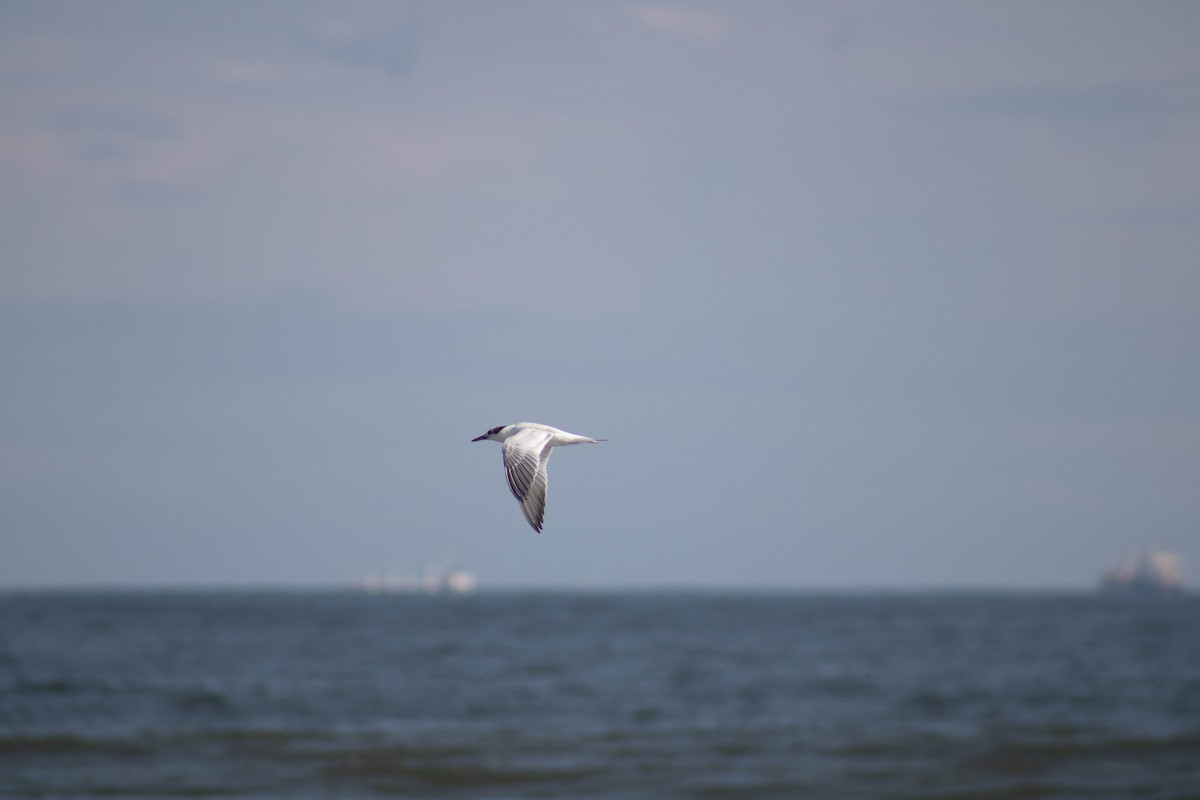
(525, 457)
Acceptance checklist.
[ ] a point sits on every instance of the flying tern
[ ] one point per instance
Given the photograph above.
(527, 447)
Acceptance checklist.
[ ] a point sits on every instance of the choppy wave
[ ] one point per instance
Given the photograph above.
(508, 696)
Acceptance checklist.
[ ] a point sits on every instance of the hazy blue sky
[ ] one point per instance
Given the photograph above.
(862, 294)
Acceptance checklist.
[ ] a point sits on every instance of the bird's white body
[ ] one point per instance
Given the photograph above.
(526, 449)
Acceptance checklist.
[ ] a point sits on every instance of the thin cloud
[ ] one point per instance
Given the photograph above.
(126, 122)
(1084, 104)
(374, 37)
(248, 73)
(155, 194)
(677, 22)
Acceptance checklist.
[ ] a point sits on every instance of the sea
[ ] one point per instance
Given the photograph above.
(505, 694)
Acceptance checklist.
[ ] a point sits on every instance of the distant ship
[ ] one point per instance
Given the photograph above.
(434, 580)
(1153, 573)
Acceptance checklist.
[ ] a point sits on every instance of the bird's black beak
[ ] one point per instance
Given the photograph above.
(479, 438)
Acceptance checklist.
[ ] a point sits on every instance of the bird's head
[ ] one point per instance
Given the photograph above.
(495, 434)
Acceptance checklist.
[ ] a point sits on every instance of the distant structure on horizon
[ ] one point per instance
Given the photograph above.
(434, 580)
(1156, 572)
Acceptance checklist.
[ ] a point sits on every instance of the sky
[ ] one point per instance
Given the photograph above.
(863, 295)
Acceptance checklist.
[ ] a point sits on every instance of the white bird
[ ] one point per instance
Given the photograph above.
(527, 447)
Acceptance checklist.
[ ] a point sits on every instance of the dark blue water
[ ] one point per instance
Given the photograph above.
(327, 695)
